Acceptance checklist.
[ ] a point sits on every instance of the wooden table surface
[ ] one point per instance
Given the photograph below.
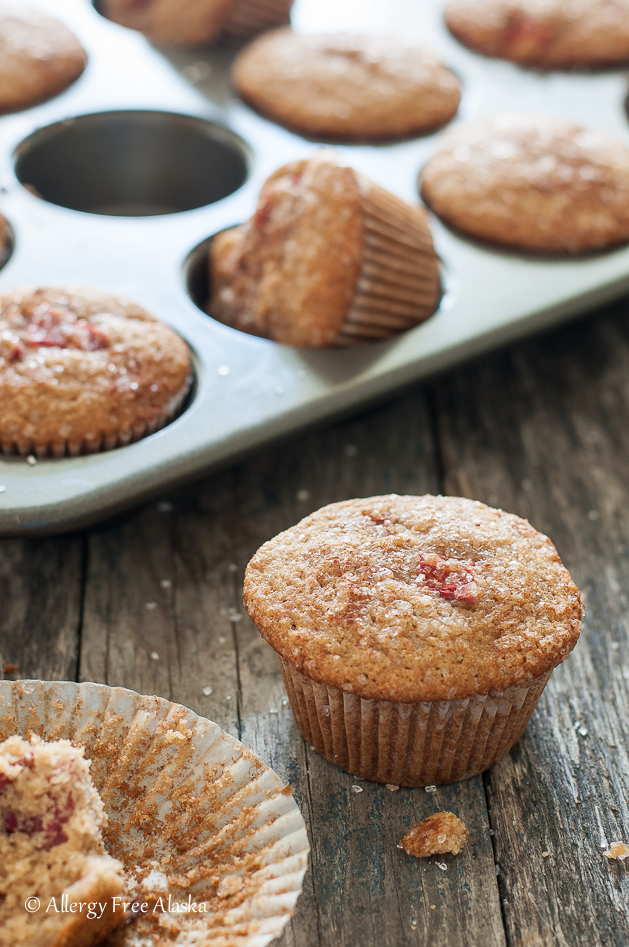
(152, 601)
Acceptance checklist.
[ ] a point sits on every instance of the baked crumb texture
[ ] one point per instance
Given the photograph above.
(440, 834)
(547, 33)
(415, 634)
(51, 845)
(346, 86)
(39, 57)
(617, 850)
(532, 183)
(202, 22)
(82, 371)
(327, 259)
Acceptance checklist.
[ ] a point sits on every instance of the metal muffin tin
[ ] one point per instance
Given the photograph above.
(146, 148)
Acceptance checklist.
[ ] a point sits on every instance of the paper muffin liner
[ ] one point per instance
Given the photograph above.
(398, 285)
(426, 743)
(247, 18)
(26, 446)
(193, 814)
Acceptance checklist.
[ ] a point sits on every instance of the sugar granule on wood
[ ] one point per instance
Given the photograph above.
(438, 834)
(617, 850)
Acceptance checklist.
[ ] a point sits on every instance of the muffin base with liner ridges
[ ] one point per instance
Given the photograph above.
(247, 18)
(398, 285)
(25, 446)
(192, 812)
(410, 744)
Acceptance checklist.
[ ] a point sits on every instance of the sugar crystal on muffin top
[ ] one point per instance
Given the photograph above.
(414, 598)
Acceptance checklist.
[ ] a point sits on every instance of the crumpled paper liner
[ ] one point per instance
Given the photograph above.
(192, 812)
(398, 286)
(247, 18)
(420, 744)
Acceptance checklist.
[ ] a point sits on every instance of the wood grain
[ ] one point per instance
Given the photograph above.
(40, 606)
(543, 431)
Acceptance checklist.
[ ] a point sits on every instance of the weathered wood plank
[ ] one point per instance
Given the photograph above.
(362, 890)
(543, 431)
(40, 612)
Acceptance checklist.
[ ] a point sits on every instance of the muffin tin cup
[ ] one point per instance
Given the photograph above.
(410, 744)
(398, 283)
(192, 813)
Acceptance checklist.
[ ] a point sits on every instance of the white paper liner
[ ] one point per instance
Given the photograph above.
(417, 744)
(191, 811)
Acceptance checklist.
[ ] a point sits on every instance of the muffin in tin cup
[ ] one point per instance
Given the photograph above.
(415, 634)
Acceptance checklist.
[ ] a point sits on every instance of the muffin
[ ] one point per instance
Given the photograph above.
(5, 240)
(549, 33)
(83, 371)
(532, 183)
(202, 22)
(51, 847)
(39, 57)
(327, 259)
(346, 86)
(414, 634)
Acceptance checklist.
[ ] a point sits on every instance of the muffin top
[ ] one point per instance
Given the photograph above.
(39, 57)
(79, 367)
(407, 598)
(547, 33)
(346, 86)
(531, 182)
(289, 273)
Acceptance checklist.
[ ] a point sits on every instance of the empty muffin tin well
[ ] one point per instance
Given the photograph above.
(154, 146)
(132, 163)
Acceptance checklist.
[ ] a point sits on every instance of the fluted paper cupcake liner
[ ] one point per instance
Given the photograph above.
(398, 284)
(417, 744)
(247, 18)
(26, 446)
(192, 812)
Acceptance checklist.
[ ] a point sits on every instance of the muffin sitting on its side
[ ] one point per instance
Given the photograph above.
(39, 57)
(533, 183)
(197, 22)
(415, 634)
(83, 371)
(346, 86)
(327, 259)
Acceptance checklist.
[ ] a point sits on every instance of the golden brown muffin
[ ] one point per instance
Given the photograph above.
(82, 371)
(327, 259)
(346, 86)
(547, 33)
(440, 834)
(406, 603)
(533, 183)
(39, 57)
(51, 847)
(197, 22)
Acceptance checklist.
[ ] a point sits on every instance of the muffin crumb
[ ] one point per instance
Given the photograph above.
(617, 850)
(438, 834)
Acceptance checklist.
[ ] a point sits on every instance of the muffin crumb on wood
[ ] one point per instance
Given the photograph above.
(617, 850)
(439, 834)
